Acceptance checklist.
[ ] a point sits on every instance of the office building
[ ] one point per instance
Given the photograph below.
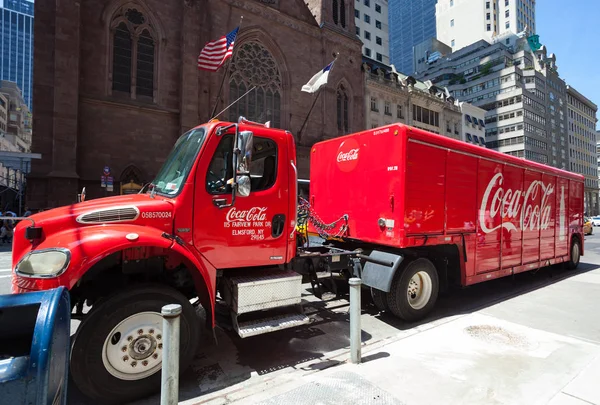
(427, 52)
(16, 45)
(411, 22)
(460, 23)
(392, 97)
(371, 19)
(582, 145)
(519, 87)
(473, 123)
(18, 117)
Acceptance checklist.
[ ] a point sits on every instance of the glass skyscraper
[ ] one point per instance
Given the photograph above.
(16, 45)
(411, 22)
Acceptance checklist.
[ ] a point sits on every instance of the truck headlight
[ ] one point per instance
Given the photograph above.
(44, 263)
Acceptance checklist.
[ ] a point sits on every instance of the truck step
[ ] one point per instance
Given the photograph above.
(263, 290)
(271, 324)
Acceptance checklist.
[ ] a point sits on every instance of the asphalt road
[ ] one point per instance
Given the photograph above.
(241, 360)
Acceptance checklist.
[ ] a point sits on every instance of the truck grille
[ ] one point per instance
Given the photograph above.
(120, 214)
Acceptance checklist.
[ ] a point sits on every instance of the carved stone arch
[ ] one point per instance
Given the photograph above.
(113, 6)
(131, 173)
(259, 35)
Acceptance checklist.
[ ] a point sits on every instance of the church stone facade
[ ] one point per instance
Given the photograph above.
(116, 82)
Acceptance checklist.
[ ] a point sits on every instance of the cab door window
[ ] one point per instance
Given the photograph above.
(263, 168)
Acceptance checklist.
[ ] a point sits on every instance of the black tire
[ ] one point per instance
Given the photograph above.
(397, 298)
(574, 255)
(87, 368)
(379, 299)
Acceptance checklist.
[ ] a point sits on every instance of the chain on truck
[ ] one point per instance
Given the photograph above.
(222, 227)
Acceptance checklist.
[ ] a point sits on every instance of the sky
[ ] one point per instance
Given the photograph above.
(571, 30)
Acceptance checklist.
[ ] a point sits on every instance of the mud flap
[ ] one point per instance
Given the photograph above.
(379, 273)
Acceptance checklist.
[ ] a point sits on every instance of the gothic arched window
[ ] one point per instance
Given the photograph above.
(133, 52)
(342, 109)
(254, 65)
(343, 13)
(335, 11)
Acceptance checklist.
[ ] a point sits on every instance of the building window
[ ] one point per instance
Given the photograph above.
(336, 11)
(399, 111)
(356, 13)
(487, 16)
(358, 31)
(378, 8)
(343, 13)
(452, 23)
(507, 13)
(388, 108)
(368, 3)
(506, 2)
(507, 41)
(377, 24)
(507, 25)
(489, 27)
(451, 3)
(452, 44)
(264, 102)
(368, 52)
(379, 57)
(367, 35)
(342, 110)
(134, 55)
(374, 104)
(367, 19)
(378, 40)
(487, 5)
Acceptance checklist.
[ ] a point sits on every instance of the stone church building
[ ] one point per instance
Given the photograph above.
(116, 82)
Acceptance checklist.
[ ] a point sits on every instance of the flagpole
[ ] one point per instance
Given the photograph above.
(315, 101)
(226, 71)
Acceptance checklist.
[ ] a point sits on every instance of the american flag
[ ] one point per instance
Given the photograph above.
(215, 53)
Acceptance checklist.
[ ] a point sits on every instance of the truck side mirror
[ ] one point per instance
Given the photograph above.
(245, 145)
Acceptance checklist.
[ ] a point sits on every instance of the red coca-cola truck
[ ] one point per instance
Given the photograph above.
(407, 211)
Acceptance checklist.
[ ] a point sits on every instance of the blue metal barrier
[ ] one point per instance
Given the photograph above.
(34, 347)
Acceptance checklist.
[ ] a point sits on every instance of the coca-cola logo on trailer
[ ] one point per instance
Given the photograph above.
(519, 206)
(252, 214)
(348, 155)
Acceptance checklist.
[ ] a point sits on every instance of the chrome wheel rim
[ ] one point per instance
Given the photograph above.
(133, 349)
(419, 290)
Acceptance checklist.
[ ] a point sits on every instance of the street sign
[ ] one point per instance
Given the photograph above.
(102, 181)
(109, 183)
(106, 171)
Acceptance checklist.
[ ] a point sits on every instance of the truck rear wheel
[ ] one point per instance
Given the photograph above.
(117, 350)
(575, 255)
(414, 290)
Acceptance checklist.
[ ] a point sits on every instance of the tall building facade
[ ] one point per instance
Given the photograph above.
(371, 19)
(460, 23)
(95, 111)
(411, 22)
(520, 89)
(582, 145)
(16, 45)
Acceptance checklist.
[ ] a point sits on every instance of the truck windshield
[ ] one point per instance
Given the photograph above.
(179, 163)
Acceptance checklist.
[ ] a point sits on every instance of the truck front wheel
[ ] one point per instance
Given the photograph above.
(575, 254)
(117, 350)
(414, 290)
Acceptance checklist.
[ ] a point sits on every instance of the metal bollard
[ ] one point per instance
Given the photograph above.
(169, 389)
(355, 330)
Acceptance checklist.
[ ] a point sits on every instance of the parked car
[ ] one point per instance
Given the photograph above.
(596, 220)
(588, 227)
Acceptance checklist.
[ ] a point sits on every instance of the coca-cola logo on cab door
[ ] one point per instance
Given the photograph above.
(252, 214)
(348, 154)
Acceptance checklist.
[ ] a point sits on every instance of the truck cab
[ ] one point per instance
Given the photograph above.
(217, 224)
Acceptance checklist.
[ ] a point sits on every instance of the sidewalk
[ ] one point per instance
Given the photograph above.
(542, 347)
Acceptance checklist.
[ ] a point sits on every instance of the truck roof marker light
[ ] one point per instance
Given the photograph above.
(396, 133)
(132, 237)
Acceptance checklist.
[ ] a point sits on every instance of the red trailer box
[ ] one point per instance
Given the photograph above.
(406, 188)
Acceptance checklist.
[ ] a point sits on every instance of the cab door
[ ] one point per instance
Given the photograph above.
(251, 232)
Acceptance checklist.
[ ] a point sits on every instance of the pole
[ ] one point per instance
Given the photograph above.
(226, 71)
(355, 330)
(239, 98)
(169, 390)
(308, 115)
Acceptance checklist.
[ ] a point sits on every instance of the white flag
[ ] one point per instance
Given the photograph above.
(318, 80)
